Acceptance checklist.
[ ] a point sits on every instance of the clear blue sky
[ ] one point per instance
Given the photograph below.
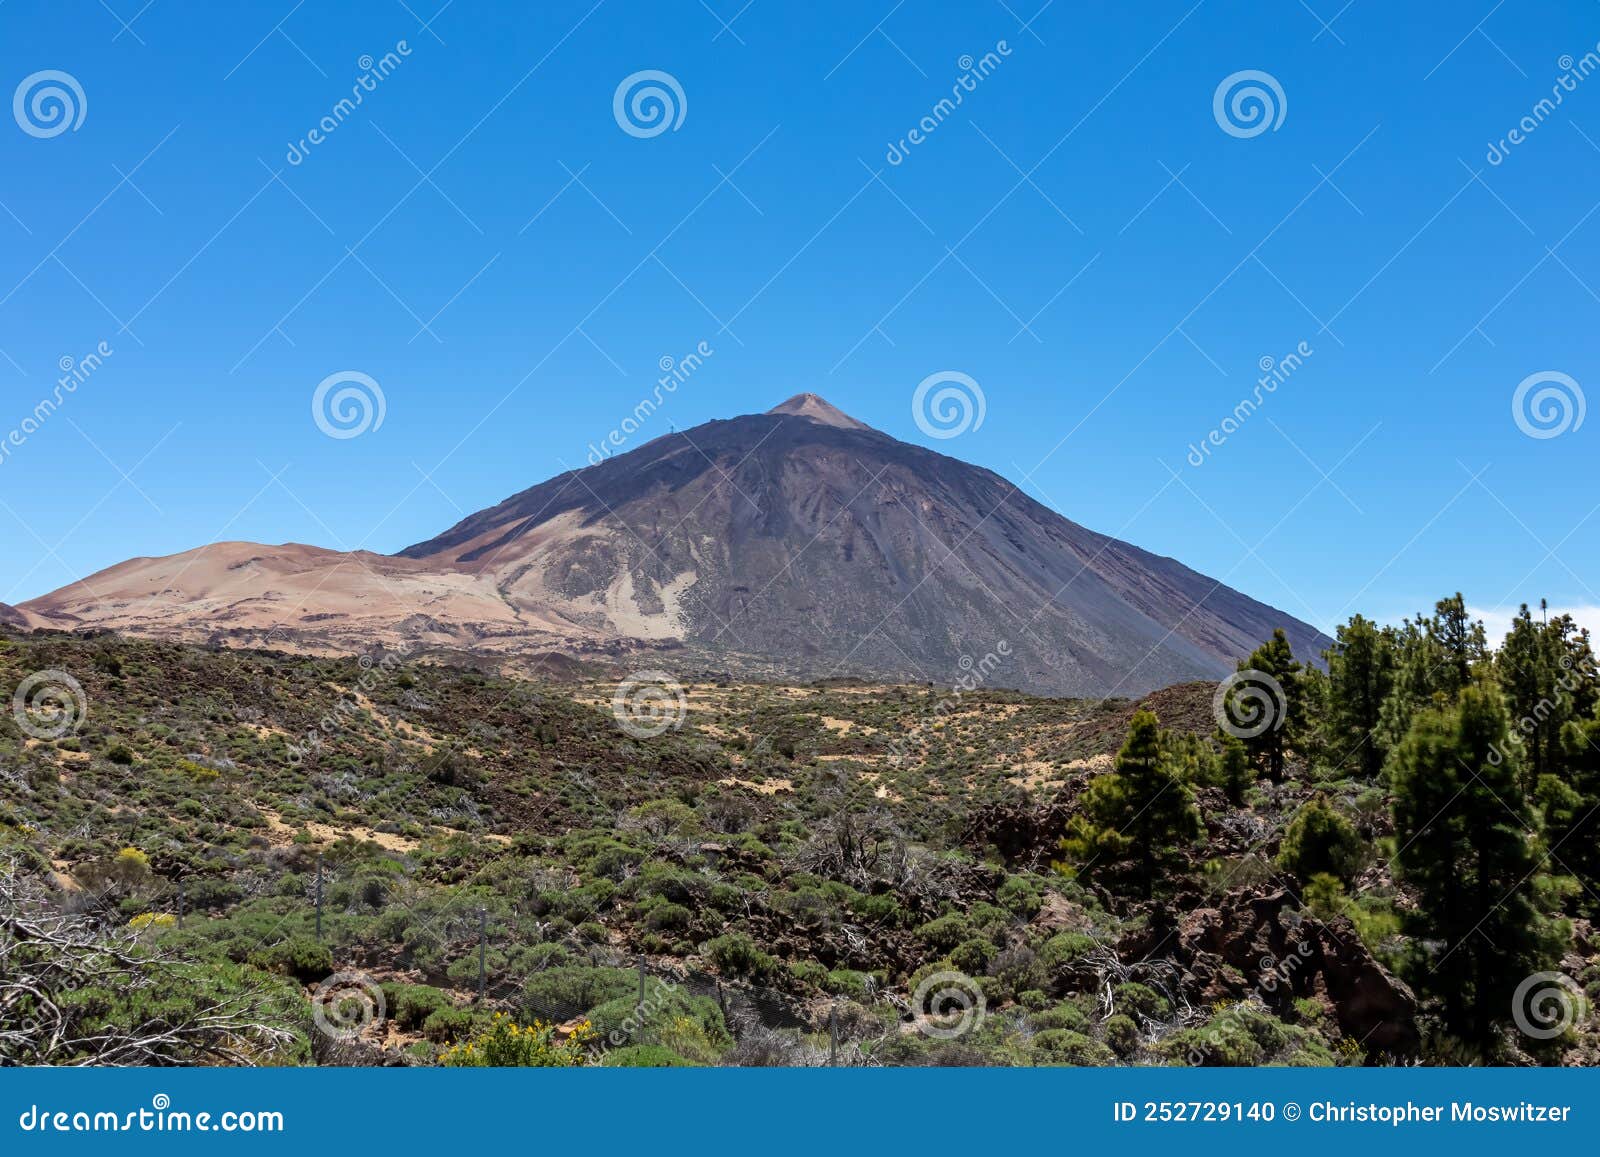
(1113, 306)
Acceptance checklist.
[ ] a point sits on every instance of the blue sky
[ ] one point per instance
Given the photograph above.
(1080, 236)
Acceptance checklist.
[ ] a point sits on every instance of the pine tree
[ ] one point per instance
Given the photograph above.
(1526, 679)
(1136, 818)
(1412, 684)
(1361, 674)
(1461, 642)
(1546, 671)
(1466, 847)
(1269, 746)
(1570, 803)
(1437, 658)
(1234, 772)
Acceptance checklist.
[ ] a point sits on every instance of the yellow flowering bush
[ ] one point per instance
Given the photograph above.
(149, 919)
(130, 865)
(507, 1044)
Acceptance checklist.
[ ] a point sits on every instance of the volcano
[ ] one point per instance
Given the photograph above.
(795, 544)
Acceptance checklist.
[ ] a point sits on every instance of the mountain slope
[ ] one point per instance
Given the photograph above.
(799, 543)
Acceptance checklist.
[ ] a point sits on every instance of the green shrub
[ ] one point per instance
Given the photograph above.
(668, 882)
(1141, 1000)
(808, 972)
(644, 1057)
(299, 957)
(409, 1005)
(883, 910)
(1059, 1046)
(669, 1015)
(946, 932)
(737, 955)
(1320, 841)
(1019, 896)
(668, 916)
(972, 956)
(1065, 1015)
(845, 982)
(1122, 1035)
(1324, 895)
(559, 994)
(1246, 1034)
(447, 1025)
(1014, 970)
(1066, 948)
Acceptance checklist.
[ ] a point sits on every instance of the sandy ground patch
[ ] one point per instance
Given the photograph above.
(770, 787)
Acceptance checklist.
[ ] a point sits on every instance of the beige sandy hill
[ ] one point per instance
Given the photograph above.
(292, 596)
(305, 598)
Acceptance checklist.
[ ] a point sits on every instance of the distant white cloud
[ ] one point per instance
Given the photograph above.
(1497, 621)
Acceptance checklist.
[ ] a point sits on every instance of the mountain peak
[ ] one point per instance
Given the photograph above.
(818, 409)
(798, 548)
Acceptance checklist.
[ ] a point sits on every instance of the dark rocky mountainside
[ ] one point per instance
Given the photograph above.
(805, 539)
